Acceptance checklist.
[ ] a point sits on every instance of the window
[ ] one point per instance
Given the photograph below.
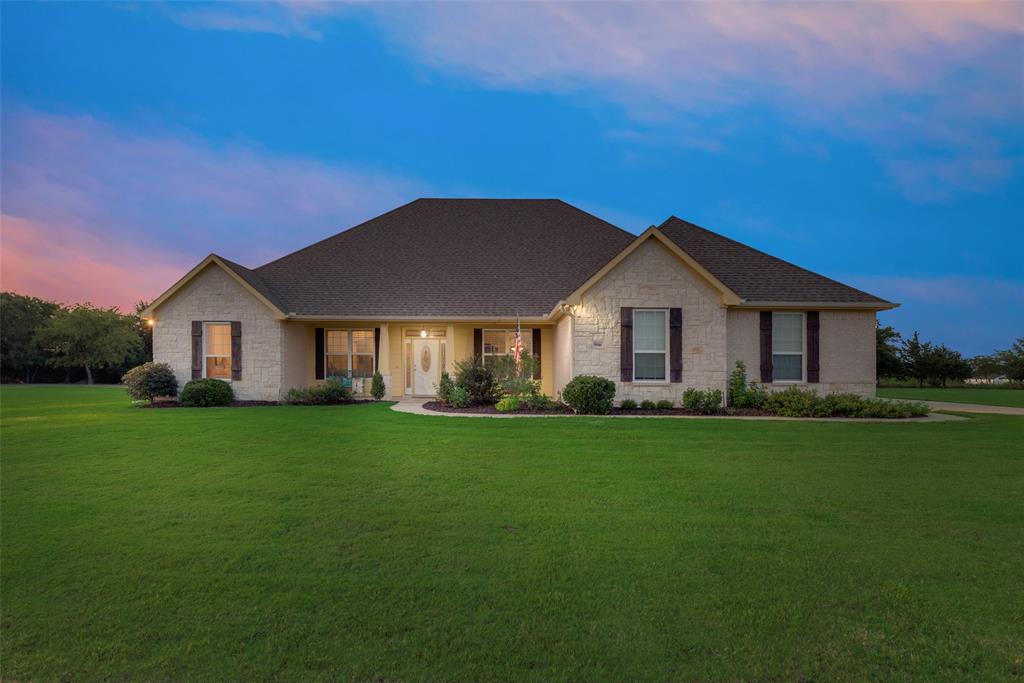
(503, 343)
(650, 347)
(349, 353)
(787, 347)
(217, 345)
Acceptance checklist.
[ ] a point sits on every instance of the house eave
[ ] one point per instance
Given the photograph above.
(817, 305)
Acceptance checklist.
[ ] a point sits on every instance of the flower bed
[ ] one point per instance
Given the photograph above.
(242, 404)
(490, 409)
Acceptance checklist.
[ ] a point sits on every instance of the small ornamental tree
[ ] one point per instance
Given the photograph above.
(377, 387)
(150, 380)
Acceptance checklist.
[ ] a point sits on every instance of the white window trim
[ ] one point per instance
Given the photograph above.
(349, 353)
(206, 337)
(664, 353)
(802, 352)
(526, 333)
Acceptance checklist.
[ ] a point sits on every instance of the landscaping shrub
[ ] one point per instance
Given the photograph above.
(477, 380)
(665, 405)
(512, 382)
(207, 393)
(795, 402)
(509, 404)
(706, 401)
(539, 402)
(150, 380)
(743, 394)
(330, 392)
(628, 404)
(458, 397)
(377, 389)
(444, 388)
(589, 395)
(648, 405)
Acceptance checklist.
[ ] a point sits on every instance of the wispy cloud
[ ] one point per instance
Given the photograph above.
(942, 76)
(156, 203)
(294, 18)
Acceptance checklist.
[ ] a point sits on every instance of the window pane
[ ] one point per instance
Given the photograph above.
(649, 366)
(649, 330)
(362, 366)
(527, 341)
(787, 368)
(218, 340)
(362, 341)
(337, 341)
(337, 366)
(787, 332)
(496, 341)
(218, 368)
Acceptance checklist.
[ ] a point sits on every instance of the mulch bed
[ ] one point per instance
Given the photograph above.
(489, 409)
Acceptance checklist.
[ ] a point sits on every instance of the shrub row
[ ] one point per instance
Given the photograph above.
(795, 402)
(330, 392)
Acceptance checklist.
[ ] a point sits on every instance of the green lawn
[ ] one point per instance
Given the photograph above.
(988, 397)
(356, 543)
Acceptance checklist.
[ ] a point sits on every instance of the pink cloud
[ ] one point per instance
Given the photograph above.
(122, 198)
(72, 266)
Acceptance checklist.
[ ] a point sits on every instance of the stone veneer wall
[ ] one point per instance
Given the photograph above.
(652, 277)
(215, 296)
(847, 350)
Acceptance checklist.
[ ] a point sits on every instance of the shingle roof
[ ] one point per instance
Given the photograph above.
(447, 257)
(255, 281)
(755, 275)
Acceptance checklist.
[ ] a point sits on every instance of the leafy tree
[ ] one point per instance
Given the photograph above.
(89, 337)
(949, 364)
(1012, 360)
(919, 359)
(145, 332)
(887, 352)
(21, 317)
(987, 367)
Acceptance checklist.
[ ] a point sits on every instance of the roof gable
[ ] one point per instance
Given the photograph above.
(758, 277)
(245, 277)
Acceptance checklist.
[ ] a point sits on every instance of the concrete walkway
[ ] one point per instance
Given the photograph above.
(974, 408)
(414, 406)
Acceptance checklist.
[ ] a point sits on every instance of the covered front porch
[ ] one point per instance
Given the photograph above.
(409, 354)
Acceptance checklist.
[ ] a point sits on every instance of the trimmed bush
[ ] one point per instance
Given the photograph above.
(477, 380)
(458, 397)
(377, 389)
(539, 402)
(589, 395)
(329, 392)
(444, 388)
(207, 393)
(628, 404)
(648, 405)
(509, 404)
(706, 401)
(795, 402)
(665, 405)
(150, 380)
(742, 394)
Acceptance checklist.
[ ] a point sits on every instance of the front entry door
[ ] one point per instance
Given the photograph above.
(424, 366)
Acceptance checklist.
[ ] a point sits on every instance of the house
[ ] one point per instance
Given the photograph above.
(416, 289)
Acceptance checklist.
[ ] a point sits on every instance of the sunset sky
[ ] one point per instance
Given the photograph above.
(880, 144)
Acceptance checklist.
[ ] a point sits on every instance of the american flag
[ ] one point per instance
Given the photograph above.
(518, 348)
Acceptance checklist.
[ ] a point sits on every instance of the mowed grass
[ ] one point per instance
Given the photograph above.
(356, 543)
(988, 397)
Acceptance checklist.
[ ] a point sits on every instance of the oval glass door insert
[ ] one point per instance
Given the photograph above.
(425, 359)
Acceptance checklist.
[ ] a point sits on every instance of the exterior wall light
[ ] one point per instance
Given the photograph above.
(423, 333)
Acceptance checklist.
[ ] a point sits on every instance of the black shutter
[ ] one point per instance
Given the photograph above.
(318, 349)
(626, 344)
(197, 349)
(236, 350)
(376, 349)
(766, 347)
(675, 343)
(813, 354)
(536, 352)
(478, 346)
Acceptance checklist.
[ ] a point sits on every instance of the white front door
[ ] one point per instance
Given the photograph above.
(425, 359)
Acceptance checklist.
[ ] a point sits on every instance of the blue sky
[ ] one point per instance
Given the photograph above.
(880, 144)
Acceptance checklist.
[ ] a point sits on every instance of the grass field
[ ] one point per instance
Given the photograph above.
(356, 543)
(987, 397)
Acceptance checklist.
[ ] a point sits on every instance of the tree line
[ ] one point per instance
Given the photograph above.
(936, 364)
(45, 341)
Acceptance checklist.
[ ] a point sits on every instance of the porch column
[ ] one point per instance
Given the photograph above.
(449, 360)
(384, 358)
